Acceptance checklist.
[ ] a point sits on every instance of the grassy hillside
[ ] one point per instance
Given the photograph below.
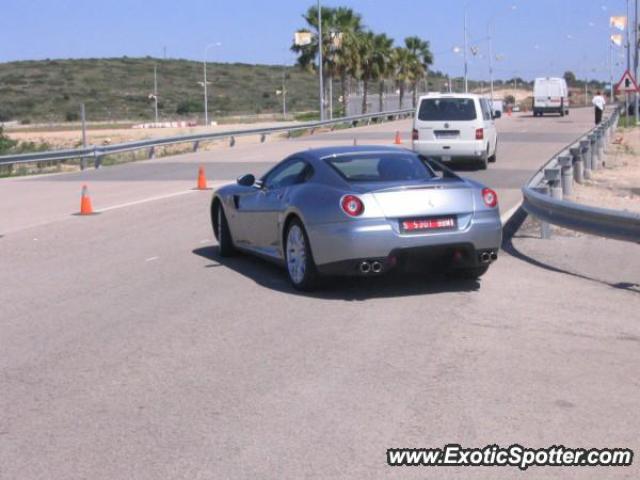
(119, 88)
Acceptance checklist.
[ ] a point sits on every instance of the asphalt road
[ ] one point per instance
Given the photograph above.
(131, 350)
(525, 143)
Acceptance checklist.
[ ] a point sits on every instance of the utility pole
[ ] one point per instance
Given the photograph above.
(491, 63)
(610, 71)
(83, 161)
(466, 68)
(586, 93)
(635, 54)
(284, 93)
(155, 89)
(204, 83)
(320, 61)
(626, 94)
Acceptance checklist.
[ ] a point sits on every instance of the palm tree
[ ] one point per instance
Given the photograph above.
(420, 50)
(404, 68)
(366, 68)
(337, 59)
(344, 60)
(307, 54)
(382, 62)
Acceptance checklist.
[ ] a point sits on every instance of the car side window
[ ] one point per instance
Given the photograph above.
(287, 174)
(486, 111)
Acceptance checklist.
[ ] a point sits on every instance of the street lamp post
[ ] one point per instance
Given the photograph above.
(320, 61)
(204, 83)
(466, 68)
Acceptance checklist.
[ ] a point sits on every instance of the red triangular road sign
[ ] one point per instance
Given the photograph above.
(627, 83)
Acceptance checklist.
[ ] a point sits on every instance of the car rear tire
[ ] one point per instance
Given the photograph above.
(470, 273)
(494, 157)
(223, 234)
(298, 257)
(484, 160)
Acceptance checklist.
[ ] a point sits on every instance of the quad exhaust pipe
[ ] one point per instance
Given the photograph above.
(376, 267)
(365, 267)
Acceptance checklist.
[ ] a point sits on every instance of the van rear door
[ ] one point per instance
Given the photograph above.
(447, 118)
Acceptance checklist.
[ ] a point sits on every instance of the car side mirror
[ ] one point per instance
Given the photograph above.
(497, 114)
(246, 180)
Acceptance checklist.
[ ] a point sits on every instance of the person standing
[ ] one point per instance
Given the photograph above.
(598, 104)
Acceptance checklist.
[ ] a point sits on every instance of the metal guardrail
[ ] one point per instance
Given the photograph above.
(545, 194)
(97, 152)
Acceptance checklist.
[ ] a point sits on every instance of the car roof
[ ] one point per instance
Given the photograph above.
(452, 95)
(325, 152)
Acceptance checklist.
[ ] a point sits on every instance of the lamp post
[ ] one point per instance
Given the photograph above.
(320, 61)
(204, 83)
(466, 68)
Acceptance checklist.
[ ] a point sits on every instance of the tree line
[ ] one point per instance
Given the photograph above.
(350, 51)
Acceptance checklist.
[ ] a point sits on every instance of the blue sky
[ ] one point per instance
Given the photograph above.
(533, 37)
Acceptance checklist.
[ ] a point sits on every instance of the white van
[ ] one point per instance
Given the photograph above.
(550, 95)
(455, 127)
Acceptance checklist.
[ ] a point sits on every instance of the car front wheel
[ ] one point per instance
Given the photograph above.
(298, 257)
(223, 234)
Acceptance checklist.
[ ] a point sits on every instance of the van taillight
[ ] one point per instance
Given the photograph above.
(479, 133)
(414, 134)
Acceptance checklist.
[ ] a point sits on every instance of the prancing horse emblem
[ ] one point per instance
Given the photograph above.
(446, 125)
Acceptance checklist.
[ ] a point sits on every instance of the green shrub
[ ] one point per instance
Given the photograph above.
(6, 144)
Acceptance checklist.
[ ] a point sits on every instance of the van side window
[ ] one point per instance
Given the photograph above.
(486, 111)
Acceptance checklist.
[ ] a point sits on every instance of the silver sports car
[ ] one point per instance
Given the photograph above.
(360, 210)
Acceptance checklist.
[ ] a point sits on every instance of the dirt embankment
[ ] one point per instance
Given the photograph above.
(617, 185)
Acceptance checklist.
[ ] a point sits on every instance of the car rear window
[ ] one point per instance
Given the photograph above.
(382, 167)
(447, 109)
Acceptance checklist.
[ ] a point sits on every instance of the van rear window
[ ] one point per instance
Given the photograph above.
(447, 109)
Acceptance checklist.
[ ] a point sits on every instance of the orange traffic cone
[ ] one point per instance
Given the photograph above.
(85, 202)
(398, 140)
(202, 179)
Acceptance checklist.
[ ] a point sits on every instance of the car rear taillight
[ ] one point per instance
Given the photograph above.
(479, 133)
(352, 205)
(414, 134)
(490, 197)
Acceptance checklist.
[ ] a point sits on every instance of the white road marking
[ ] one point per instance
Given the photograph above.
(145, 200)
(504, 218)
(206, 240)
(151, 259)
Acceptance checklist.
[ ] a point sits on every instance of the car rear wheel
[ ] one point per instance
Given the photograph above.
(298, 257)
(223, 234)
(484, 160)
(494, 157)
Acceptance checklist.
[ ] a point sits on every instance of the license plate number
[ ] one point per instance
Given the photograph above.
(446, 158)
(425, 224)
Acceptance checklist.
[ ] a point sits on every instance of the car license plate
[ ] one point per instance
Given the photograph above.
(428, 224)
(446, 158)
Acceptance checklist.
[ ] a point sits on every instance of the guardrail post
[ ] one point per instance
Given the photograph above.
(578, 174)
(602, 139)
(196, 146)
(553, 177)
(586, 158)
(152, 152)
(263, 137)
(232, 141)
(545, 228)
(565, 162)
(593, 139)
(97, 158)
